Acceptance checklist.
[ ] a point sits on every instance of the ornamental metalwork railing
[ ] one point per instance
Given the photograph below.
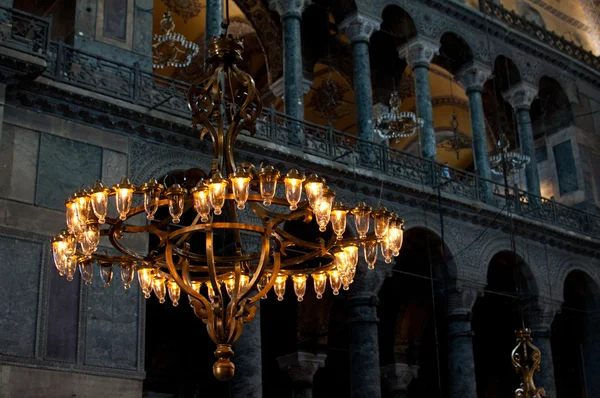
(521, 24)
(24, 32)
(151, 92)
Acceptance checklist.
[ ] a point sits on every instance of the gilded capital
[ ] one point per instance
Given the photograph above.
(289, 8)
(473, 76)
(419, 51)
(359, 27)
(521, 95)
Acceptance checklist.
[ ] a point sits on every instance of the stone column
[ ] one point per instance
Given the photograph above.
(301, 367)
(214, 18)
(359, 28)
(473, 77)
(365, 374)
(418, 53)
(397, 377)
(520, 96)
(291, 17)
(461, 363)
(538, 317)
(247, 382)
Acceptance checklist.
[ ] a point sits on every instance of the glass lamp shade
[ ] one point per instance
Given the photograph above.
(127, 274)
(293, 187)
(352, 255)
(176, 195)
(174, 292)
(123, 195)
(396, 235)
(279, 286)
(323, 208)
(196, 286)
(240, 185)
(151, 190)
(386, 250)
(217, 186)
(361, 218)
(72, 216)
(230, 284)
(313, 187)
(70, 267)
(338, 219)
(299, 285)
(86, 270)
(145, 277)
(63, 246)
(340, 261)
(262, 282)
(90, 239)
(106, 273)
(201, 194)
(99, 199)
(381, 218)
(160, 290)
(268, 177)
(211, 292)
(370, 251)
(335, 281)
(320, 283)
(82, 200)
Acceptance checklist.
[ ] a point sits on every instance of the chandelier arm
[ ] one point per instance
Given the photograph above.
(297, 241)
(213, 275)
(220, 259)
(274, 273)
(177, 278)
(264, 256)
(261, 212)
(252, 97)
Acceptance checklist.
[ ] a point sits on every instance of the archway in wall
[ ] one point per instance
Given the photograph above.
(576, 339)
(551, 110)
(412, 317)
(496, 316)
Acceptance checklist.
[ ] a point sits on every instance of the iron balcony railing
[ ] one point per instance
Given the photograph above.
(24, 32)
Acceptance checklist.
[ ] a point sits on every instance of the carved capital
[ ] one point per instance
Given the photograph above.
(289, 8)
(368, 282)
(302, 366)
(462, 296)
(397, 376)
(473, 76)
(521, 95)
(278, 87)
(359, 27)
(539, 313)
(419, 51)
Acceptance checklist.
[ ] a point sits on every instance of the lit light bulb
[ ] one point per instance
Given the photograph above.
(145, 277)
(262, 282)
(338, 219)
(63, 246)
(106, 273)
(176, 196)
(201, 194)
(86, 270)
(211, 292)
(160, 291)
(293, 188)
(90, 239)
(352, 255)
(313, 187)
(174, 292)
(320, 283)
(346, 282)
(340, 261)
(361, 218)
(82, 199)
(299, 286)
(279, 286)
(335, 281)
(323, 208)
(74, 225)
(99, 198)
(127, 274)
(240, 184)
(268, 183)
(386, 250)
(123, 196)
(70, 267)
(217, 186)
(370, 251)
(151, 190)
(381, 218)
(395, 235)
(196, 285)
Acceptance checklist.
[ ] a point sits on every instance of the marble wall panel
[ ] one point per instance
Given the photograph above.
(64, 166)
(24, 170)
(19, 295)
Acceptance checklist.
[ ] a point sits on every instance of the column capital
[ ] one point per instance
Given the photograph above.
(521, 95)
(289, 8)
(397, 376)
(539, 312)
(278, 86)
(359, 27)
(462, 296)
(419, 51)
(302, 366)
(473, 76)
(368, 282)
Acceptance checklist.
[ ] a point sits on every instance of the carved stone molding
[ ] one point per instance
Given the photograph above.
(521, 95)
(368, 282)
(289, 8)
(302, 366)
(539, 313)
(419, 51)
(462, 296)
(278, 87)
(473, 76)
(397, 376)
(359, 27)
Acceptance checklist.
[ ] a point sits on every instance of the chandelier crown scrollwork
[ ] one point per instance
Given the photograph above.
(170, 48)
(396, 124)
(187, 218)
(527, 358)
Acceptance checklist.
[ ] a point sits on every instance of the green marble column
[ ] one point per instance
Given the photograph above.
(214, 18)
(418, 53)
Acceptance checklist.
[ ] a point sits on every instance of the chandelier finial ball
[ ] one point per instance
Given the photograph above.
(223, 369)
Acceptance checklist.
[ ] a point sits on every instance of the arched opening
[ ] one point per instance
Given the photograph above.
(496, 316)
(454, 53)
(575, 339)
(551, 110)
(412, 309)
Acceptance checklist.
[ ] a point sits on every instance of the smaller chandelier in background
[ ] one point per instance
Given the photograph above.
(457, 142)
(515, 161)
(170, 48)
(396, 124)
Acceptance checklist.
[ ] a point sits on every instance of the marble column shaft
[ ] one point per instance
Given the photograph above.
(247, 382)
(545, 377)
(214, 18)
(419, 53)
(461, 362)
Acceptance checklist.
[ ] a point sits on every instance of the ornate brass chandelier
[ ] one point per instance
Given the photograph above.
(526, 358)
(457, 142)
(505, 158)
(170, 48)
(396, 124)
(224, 285)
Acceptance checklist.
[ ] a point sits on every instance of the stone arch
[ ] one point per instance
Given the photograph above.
(551, 111)
(454, 51)
(565, 268)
